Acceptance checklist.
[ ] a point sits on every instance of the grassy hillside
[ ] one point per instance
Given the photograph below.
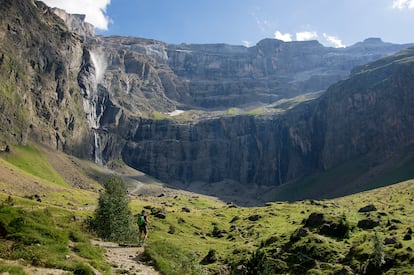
(345, 179)
(193, 234)
(316, 237)
(41, 216)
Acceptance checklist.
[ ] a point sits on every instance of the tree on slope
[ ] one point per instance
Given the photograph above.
(112, 218)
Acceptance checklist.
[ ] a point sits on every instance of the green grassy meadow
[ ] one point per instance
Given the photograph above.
(194, 234)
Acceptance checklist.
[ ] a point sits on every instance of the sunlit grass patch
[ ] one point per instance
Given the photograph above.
(41, 237)
(8, 268)
(30, 160)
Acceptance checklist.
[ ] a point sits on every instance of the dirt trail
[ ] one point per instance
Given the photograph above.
(138, 186)
(126, 259)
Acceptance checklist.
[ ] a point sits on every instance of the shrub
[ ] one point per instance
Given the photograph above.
(261, 263)
(171, 230)
(210, 257)
(377, 258)
(82, 269)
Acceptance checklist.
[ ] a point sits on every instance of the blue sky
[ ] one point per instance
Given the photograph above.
(335, 23)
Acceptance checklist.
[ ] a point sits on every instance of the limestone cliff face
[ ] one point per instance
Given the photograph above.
(222, 76)
(370, 114)
(76, 23)
(367, 116)
(245, 149)
(39, 64)
(133, 77)
(144, 75)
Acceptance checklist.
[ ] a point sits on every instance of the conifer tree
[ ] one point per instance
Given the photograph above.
(112, 218)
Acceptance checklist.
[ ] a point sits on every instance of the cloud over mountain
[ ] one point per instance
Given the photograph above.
(304, 36)
(287, 37)
(403, 4)
(328, 40)
(335, 41)
(93, 9)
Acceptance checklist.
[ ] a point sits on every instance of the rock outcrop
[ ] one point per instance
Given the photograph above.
(76, 23)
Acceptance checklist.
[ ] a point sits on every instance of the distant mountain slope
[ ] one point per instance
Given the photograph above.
(365, 120)
(365, 131)
(221, 75)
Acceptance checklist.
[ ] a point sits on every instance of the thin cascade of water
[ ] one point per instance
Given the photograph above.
(91, 102)
(97, 149)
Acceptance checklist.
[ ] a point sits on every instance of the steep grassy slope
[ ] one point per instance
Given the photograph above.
(193, 234)
(41, 214)
(351, 177)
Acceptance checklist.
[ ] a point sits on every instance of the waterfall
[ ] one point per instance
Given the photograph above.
(99, 62)
(98, 153)
(91, 104)
(279, 158)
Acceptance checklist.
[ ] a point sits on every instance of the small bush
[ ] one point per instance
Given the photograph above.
(235, 218)
(210, 257)
(377, 258)
(171, 230)
(82, 269)
(261, 263)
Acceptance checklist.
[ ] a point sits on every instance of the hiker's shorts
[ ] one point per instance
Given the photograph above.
(143, 229)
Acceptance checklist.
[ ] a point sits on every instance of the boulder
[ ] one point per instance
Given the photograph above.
(160, 215)
(388, 241)
(368, 208)
(254, 218)
(210, 257)
(368, 224)
(337, 230)
(315, 220)
(186, 209)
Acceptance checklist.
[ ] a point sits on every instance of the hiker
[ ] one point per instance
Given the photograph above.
(143, 227)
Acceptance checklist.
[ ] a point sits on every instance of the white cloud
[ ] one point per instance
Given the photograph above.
(403, 4)
(335, 41)
(287, 37)
(93, 9)
(246, 43)
(303, 36)
(329, 40)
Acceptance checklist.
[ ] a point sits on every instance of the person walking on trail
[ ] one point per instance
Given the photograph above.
(143, 227)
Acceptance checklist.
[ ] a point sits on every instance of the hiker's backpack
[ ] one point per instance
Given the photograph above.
(141, 220)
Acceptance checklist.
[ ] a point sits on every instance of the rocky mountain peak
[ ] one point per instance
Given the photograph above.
(76, 23)
(373, 40)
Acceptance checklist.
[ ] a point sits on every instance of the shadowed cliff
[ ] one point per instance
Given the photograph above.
(364, 118)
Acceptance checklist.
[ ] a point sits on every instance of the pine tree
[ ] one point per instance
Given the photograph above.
(112, 218)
